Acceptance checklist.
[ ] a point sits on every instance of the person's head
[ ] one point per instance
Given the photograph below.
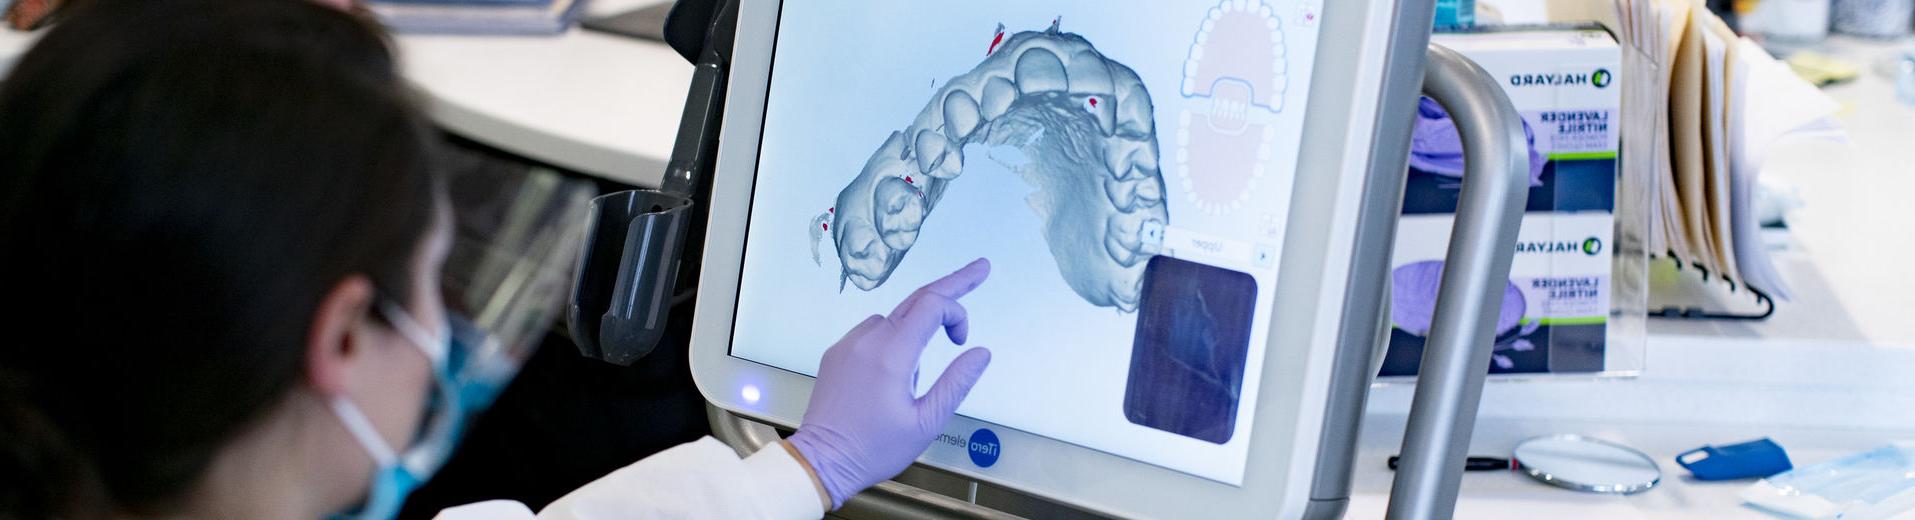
(203, 206)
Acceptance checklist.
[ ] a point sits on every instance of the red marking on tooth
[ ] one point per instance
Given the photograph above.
(831, 210)
(826, 226)
(907, 180)
(1093, 102)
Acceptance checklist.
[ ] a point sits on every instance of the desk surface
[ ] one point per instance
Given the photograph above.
(1860, 200)
(1818, 399)
(1497, 495)
(601, 104)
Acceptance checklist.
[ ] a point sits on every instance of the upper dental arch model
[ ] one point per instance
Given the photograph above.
(1074, 124)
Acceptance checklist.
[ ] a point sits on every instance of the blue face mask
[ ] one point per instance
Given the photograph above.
(464, 383)
(389, 490)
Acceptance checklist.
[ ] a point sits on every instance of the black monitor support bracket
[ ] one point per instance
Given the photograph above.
(632, 272)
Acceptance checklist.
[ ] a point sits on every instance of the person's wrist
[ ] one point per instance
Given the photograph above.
(824, 497)
(825, 452)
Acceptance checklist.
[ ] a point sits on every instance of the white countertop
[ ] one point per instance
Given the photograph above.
(600, 104)
(1493, 495)
(597, 103)
(1819, 399)
(1859, 222)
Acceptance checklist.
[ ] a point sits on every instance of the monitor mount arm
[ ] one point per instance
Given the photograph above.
(1449, 383)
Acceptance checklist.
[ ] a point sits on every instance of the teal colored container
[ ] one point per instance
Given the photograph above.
(1455, 14)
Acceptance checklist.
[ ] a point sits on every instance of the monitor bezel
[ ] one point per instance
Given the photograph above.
(1315, 264)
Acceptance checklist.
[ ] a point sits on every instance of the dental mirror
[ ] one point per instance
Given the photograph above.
(1585, 464)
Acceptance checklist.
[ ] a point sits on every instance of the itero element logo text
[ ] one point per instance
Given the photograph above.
(985, 448)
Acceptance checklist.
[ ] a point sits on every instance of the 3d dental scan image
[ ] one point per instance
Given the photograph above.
(1050, 109)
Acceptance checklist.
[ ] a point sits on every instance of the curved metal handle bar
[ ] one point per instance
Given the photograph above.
(1449, 382)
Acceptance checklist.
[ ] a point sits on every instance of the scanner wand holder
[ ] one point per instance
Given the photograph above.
(629, 275)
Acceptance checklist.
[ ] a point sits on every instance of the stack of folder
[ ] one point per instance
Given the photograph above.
(477, 17)
(1701, 108)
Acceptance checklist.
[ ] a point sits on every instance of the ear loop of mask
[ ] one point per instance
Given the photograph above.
(361, 429)
(432, 443)
(399, 473)
(354, 419)
(416, 333)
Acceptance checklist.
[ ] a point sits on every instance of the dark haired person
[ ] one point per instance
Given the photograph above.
(221, 236)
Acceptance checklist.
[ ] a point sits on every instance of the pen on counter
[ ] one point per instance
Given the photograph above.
(1471, 464)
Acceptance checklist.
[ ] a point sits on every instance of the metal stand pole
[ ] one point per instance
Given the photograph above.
(1455, 359)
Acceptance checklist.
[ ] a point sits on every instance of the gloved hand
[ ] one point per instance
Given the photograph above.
(864, 425)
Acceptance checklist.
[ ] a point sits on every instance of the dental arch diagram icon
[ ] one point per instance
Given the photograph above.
(1234, 80)
(1069, 121)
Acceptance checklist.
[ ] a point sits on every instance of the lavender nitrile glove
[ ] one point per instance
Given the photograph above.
(864, 425)
(1436, 147)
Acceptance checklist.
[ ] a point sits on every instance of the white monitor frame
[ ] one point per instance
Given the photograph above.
(1333, 184)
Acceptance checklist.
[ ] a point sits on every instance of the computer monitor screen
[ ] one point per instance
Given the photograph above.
(1125, 166)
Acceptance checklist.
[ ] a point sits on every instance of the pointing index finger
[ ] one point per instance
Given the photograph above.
(960, 282)
(923, 314)
(935, 304)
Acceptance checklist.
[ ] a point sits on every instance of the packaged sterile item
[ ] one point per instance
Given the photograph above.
(1758, 458)
(1555, 313)
(1878, 483)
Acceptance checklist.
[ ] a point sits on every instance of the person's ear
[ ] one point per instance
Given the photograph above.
(331, 344)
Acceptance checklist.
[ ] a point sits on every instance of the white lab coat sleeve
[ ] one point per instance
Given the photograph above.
(698, 479)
